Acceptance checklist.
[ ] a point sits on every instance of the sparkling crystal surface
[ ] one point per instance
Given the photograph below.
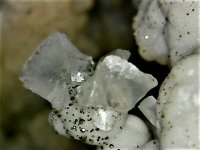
(116, 83)
(105, 119)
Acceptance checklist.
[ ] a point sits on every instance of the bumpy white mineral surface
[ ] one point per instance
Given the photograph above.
(91, 109)
(167, 30)
(134, 134)
(178, 106)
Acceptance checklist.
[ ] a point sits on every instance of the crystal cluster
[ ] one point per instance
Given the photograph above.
(91, 100)
(89, 104)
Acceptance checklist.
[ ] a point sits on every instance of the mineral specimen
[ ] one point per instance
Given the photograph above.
(91, 106)
(55, 68)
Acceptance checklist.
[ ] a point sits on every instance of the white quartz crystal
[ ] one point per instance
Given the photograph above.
(167, 30)
(116, 83)
(178, 106)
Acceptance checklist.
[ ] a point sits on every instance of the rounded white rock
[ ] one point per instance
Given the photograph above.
(167, 31)
(178, 106)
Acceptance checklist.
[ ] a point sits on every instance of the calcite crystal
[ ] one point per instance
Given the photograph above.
(89, 105)
(167, 30)
(118, 83)
(52, 70)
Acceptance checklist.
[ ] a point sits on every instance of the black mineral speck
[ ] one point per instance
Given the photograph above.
(98, 138)
(75, 121)
(89, 119)
(81, 121)
(163, 116)
(83, 138)
(111, 146)
(91, 140)
(59, 115)
(70, 104)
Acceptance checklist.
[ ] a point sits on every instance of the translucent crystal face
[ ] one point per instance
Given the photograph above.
(116, 83)
(55, 69)
(78, 77)
(105, 119)
(89, 105)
